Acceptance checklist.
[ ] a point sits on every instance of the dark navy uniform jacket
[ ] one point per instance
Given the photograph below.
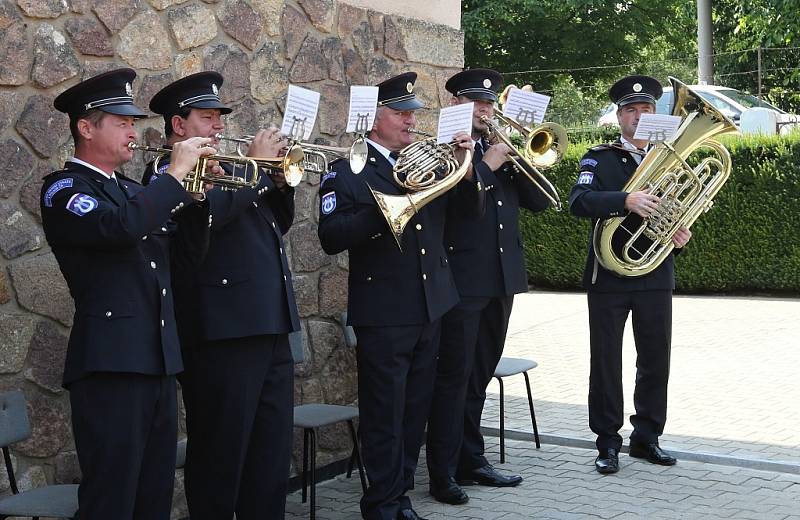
(388, 286)
(486, 254)
(604, 171)
(244, 286)
(113, 247)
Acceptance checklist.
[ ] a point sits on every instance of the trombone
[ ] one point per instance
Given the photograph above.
(544, 147)
(248, 167)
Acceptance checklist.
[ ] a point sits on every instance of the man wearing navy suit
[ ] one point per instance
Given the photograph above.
(488, 263)
(396, 297)
(108, 234)
(234, 314)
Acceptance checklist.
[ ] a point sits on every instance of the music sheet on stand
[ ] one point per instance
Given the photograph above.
(657, 127)
(453, 120)
(301, 108)
(363, 104)
(526, 108)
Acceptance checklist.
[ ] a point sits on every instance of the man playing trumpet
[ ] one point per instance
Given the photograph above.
(396, 297)
(234, 315)
(488, 265)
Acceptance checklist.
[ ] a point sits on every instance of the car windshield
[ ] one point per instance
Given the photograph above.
(747, 100)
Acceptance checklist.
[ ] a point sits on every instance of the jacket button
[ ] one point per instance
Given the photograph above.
(255, 204)
(419, 227)
(144, 237)
(450, 248)
(224, 281)
(501, 249)
(280, 249)
(180, 205)
(162, 323)
(164, 229)
(422, 251)
(163, 292)
(284, 278)
(273, 224)
(108, 314)
(153, 265)
(499, 202)
(501, 226)
(369, 278)
(424, 276)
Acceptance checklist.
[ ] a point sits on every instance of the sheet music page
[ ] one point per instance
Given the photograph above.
(526, 108)
(363, 105)
(657, 127)
(452, 120)
(301, 110)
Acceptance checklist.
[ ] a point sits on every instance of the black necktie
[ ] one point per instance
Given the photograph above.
(115, 191)
(394, 155)
(478, 151)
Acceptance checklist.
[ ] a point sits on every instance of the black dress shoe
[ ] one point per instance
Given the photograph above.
(607, 461)
(652, 453)
(448, 491)
(487, 476)
(408, 514)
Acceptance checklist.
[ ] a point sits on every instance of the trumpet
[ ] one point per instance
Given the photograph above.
(292, 165)
(199, 176)
(317, 157)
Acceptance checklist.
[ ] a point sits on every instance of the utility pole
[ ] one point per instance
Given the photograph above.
(705, 49)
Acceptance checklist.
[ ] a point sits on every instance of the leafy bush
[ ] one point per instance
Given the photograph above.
(748, 242)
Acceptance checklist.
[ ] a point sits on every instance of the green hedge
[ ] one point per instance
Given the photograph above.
(749, 241)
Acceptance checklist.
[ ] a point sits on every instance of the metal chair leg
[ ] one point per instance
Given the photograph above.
(533, 415)
(357, 455)
(304, 477)
(502, 423)
(313, 473)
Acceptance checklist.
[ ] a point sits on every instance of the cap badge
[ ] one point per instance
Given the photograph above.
(128, 89)
(487, 83)
(637, 87)
(215, 89)
(410, 87)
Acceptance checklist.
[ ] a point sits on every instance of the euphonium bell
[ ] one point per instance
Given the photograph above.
(635, 246)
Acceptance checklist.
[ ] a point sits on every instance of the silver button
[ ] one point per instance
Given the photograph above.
(180, 205)
(255, 204)
(419, 227)
(424, 276)
(501, 226)
(144, 237)
(273, 224)
(499, 202)
(153, 265)
(108, 314)
(163, 292)
(172, 211)
(224, 281)
(284, 278)
(281, 250)
(162, 323)
(369, 278)
(450, 248)
(164, 229)
(501, 249)
(422, 251)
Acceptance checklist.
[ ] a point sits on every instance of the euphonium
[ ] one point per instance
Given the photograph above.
(197, 178)
(426, 170)
(634, 246)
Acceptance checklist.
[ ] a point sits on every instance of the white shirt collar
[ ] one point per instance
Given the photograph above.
(92, 167)
(637, 155)
(381, 150)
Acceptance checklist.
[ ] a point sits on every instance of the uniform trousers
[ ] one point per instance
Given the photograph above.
(238, 395)
(651, 312)
(396, 368)
(125, 427)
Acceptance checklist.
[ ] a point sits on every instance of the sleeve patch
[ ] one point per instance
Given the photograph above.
(588, 162)
(55, 188)
(328, 203)
(329, 175)
(586, 178)
(81, 204)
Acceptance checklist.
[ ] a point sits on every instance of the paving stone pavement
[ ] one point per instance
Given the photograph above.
(561, 484)
(734, 381)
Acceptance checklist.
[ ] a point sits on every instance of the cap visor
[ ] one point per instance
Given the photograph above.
(485, 96)
(637, 99)
(211, 104)
(126, 109)
(408, 104)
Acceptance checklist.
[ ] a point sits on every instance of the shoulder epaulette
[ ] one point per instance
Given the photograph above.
(601, 147)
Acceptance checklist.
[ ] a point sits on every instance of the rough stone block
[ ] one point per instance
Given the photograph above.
(144, 44)
(15, 56)
(46, 355)
(89, 37)
(192, 25)
(268, 77)
(148, 87)
(160, 5)
(270, 11)
(233, 64)
(415, 37)
(339, 377)
(30, 192)
(43, 8)
(305, 293)
(307, 251)
(18, 233)
(115, 14)
(295, 29)
(16, 331)
(309, 64)
(241, 22)
(50, 429)
(41, 288)
(320, 12)
(54, 60)
(188, 63)
(333, 113)
(333, 292)
(19, 163)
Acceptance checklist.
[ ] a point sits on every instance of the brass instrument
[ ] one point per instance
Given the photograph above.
(425, 171)
(245, 169)
(634, 246)
(544, 147)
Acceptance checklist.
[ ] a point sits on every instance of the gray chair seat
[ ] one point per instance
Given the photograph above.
(59, 501)
(180, 456)
(318, 415)
(511, 366)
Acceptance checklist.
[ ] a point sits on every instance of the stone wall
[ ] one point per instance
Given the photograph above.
(260, 46)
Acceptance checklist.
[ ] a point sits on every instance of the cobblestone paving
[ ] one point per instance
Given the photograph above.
(560, 484)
